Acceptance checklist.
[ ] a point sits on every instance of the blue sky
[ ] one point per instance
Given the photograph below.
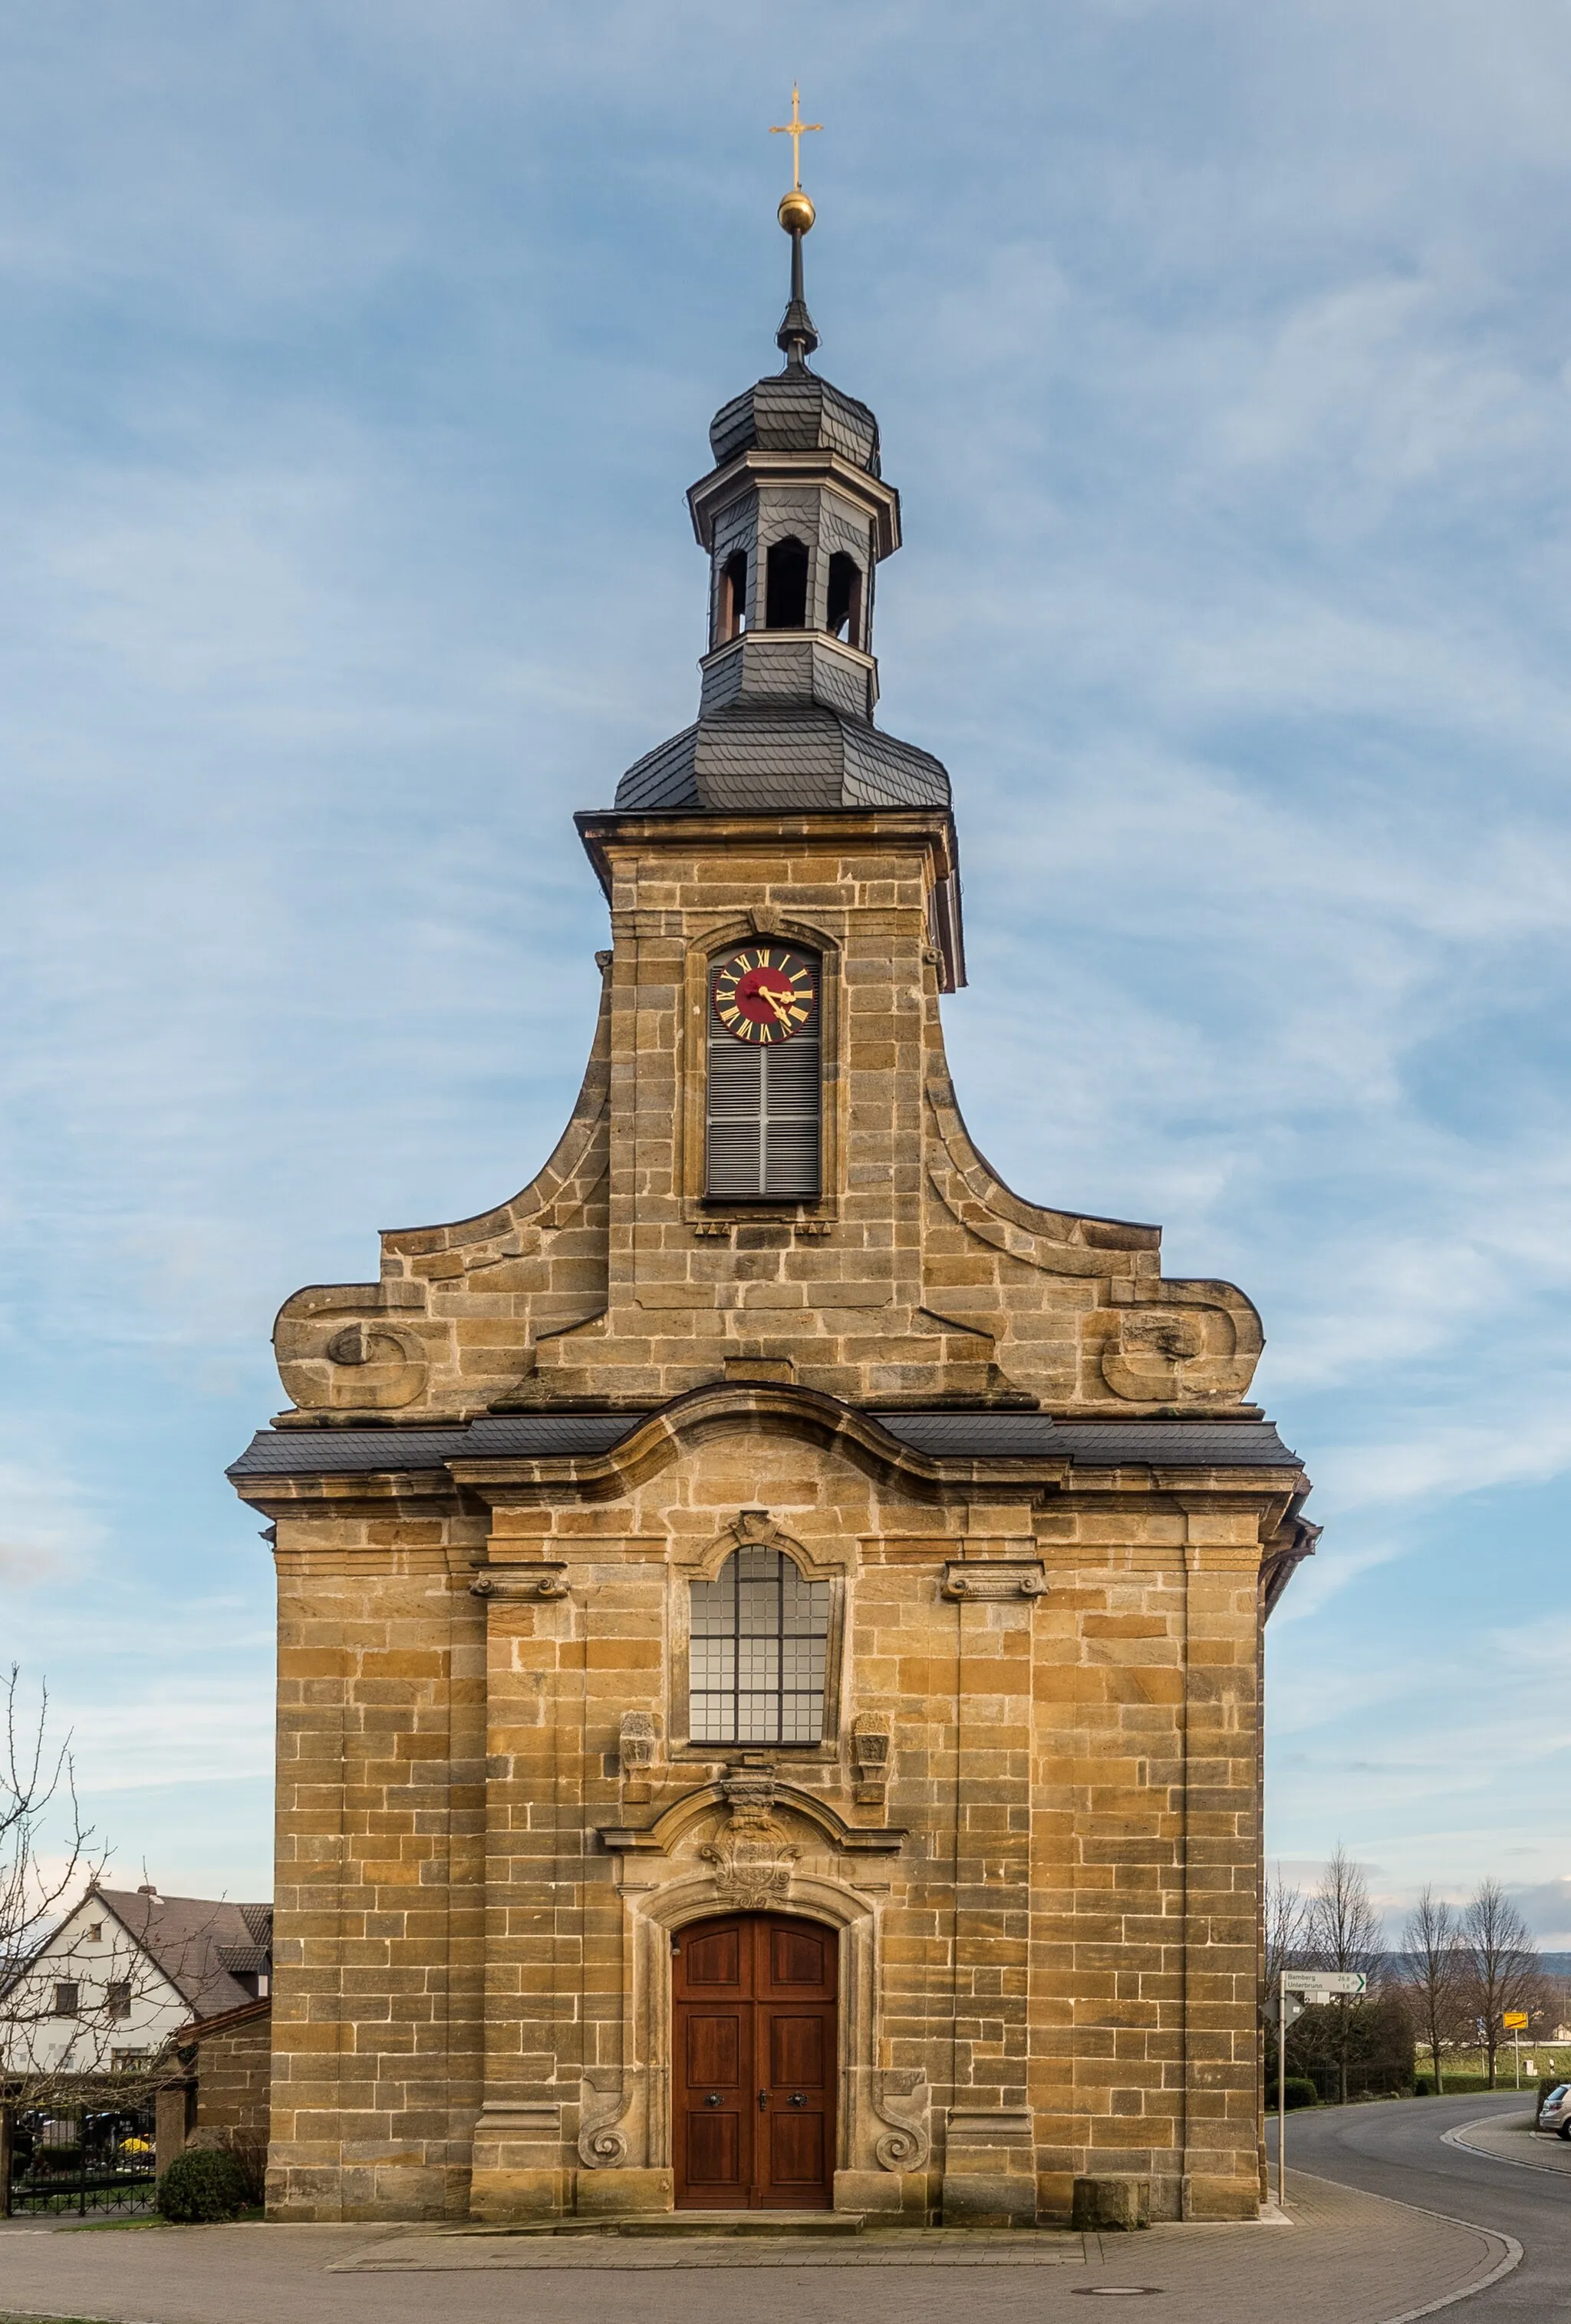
(353, 363)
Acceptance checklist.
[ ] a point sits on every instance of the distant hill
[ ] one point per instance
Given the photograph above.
(1557, 1964)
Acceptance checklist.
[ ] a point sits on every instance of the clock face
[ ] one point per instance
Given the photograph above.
(766, 993)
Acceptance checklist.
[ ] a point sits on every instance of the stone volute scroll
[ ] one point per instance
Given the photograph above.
(752, 1856)
(339, 1349)
(901, 2100)
(602, 2146)
(1187, 1339)
(1145, 1338)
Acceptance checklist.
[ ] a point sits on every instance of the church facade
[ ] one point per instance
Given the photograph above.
(770, 1619)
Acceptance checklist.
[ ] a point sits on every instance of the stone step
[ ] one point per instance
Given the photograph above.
(742, 2223)
(692, 2223)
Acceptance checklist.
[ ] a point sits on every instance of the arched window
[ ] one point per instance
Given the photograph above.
(844, 618)
(733, 598)
(785, 595)
(757, 1652)
(766, 1097)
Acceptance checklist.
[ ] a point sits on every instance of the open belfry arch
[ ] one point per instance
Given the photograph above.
(767, 1526)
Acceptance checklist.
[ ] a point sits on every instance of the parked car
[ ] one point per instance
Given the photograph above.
(1555, 2113)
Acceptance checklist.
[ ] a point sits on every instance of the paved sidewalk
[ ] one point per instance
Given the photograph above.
(1345, 2258)
(1510, 2138)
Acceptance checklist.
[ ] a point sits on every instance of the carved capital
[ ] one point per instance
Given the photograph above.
(638, 1747)
(994, 1578)
(871, 1751)
(521, 1581)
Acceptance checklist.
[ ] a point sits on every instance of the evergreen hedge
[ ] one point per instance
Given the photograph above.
(204, 2183)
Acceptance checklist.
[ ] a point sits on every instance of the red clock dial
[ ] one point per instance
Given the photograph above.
(767, 993)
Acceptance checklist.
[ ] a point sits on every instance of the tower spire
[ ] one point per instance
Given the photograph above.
(796, 336)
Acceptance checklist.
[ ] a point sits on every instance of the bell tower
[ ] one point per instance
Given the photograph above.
(796, 516)
(769, 1559)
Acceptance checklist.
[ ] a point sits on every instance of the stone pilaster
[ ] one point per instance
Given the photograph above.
(989, 2175)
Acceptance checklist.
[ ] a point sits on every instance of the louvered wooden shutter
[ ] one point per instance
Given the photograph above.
(791, 1111)
(764, 1105)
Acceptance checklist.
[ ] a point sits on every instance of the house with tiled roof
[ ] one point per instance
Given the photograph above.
(125, 1970)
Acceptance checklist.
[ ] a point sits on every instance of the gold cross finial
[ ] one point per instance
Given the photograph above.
(796, 129)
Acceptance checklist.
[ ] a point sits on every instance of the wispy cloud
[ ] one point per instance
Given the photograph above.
(361, 356)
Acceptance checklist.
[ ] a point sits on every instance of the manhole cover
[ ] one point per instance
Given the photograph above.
(1115, 2290)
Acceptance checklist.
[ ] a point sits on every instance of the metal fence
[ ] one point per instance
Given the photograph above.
(82, 2159)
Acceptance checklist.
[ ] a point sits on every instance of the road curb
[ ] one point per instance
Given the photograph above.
(1487, 2154)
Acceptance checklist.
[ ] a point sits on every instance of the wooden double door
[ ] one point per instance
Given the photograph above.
(754, 2063)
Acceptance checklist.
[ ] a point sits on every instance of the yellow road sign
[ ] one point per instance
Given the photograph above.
(1514, 2017)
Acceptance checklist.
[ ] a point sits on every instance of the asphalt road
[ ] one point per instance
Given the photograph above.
(1397, 2148)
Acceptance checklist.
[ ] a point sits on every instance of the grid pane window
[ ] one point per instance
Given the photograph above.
(758, 1649)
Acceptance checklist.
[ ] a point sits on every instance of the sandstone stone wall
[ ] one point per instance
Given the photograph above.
(233, 2076)
(1048, 1883)
(916, 1276)
(1035, 1817)
(378, 1931)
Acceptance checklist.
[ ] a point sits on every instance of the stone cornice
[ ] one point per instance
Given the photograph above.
(657, 1440)
(665, 1827)
(603, 828)
(770, 1407)
(753, 468)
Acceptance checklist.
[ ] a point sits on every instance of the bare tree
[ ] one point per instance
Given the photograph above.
(1345, 1933)
(1287, 1915)
(33, 1776)
(48, 1856)
(1502, 1971)
(1433, 1970)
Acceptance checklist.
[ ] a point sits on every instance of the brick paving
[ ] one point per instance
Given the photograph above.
(1344, 2257)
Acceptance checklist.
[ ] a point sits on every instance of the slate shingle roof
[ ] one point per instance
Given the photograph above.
(797, 758)
(796, 411)
(947, 1434)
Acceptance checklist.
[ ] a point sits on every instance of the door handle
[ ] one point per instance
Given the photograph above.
(798, 2097)
(763, 2100)
(712, 2099)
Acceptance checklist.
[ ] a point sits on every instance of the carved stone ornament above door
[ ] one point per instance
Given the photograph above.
(752, 1856)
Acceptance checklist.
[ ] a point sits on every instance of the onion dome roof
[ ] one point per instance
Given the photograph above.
(794, 411)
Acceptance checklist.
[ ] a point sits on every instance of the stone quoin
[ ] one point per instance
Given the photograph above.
(770, 1619)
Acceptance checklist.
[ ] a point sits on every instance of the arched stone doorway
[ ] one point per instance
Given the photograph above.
(754, 2019)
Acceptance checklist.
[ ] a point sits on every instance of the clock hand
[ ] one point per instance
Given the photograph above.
(775, 1001)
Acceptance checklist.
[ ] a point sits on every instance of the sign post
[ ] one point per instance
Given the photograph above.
(1299, 1988)
(1513, 2020)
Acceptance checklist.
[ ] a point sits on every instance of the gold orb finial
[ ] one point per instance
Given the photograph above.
(797, 213)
